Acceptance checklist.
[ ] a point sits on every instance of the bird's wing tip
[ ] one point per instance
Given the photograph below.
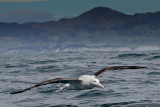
(119, 67)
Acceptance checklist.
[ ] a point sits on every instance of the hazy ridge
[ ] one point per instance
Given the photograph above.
(100, 27)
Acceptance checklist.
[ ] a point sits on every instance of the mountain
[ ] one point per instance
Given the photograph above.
(99, 27)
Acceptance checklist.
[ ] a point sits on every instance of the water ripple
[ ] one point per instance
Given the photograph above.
(123, 88)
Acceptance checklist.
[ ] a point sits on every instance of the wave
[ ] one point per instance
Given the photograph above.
(81, 49)
(64, 105)
(154, 58)
(139, 48)
(91, 93)
(154, 73)
(117, 104)
(131, 55)
(43, 62)
(147, 48)
(129, 104)
(95, 49)
(126, 104)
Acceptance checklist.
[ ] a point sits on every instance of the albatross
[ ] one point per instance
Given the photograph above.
(81, 83)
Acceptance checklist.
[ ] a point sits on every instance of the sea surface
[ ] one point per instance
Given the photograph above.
(123, 88)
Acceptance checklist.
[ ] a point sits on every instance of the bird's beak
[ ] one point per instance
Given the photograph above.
(100, 85)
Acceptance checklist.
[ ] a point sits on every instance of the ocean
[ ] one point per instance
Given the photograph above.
(123, 88)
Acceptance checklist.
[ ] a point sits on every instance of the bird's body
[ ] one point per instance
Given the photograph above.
(86, 79)
(85, 82)
(81, 83)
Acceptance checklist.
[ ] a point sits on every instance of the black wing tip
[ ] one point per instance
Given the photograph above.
(14, 93)
(17, 92)
(137, 67)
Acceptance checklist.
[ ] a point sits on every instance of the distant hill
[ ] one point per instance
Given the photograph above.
(99, 27)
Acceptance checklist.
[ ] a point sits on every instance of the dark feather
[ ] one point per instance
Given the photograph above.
(57, 80)
(117, 68)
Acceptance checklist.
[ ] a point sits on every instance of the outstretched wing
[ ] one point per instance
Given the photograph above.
(118, 67)
(57, 80)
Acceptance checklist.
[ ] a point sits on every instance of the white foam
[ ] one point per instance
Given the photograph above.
(147, 48)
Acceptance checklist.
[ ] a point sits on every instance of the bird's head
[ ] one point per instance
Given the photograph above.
(96, 82)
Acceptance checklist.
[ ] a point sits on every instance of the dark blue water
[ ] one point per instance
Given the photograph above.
(123, 88)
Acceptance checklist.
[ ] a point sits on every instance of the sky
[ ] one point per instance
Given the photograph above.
(22, 11)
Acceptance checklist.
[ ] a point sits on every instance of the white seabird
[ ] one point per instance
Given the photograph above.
(81, 83)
